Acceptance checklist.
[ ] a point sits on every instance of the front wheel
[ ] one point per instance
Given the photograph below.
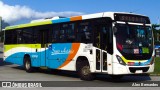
(85, 73)
(27, 64)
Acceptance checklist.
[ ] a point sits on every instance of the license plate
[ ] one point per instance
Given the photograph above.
(138, 71)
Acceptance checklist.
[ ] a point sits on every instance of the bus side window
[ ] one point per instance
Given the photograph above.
(36, 38)
(105, 38)
(10, 37)
(19, 36)
(55, 34)
(84, 32)
(97, 38)
(28, 36)
(70, 32)
(62, 33)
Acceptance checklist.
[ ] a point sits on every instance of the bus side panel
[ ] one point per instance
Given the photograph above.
(15, 54)
(80, 50)
(14, 59)
(35, 59)
(35, 55)
(42, 57)
(56, 54)
(69, 63)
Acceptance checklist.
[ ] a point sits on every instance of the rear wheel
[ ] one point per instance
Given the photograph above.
(27, 64)
(84, 72)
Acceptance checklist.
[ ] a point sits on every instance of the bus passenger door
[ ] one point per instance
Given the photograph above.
(43, 41)
(101, 42)
(48, 57)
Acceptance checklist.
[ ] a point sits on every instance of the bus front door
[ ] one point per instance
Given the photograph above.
(100, 42)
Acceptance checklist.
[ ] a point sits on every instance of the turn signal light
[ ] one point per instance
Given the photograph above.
(130, 63)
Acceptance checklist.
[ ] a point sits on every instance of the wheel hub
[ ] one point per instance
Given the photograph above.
(86, 70)
(27, 65)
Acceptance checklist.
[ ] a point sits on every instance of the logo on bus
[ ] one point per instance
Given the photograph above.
(62, 51)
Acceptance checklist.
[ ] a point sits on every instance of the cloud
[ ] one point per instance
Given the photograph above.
(15, 13)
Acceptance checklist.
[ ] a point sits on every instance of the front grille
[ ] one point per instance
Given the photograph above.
(133, 69)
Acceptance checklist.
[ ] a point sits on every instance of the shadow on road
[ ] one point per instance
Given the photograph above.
(51, 72)
(126, 78)
(99, 77)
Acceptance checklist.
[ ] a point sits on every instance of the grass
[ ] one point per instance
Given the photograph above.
(157, 67)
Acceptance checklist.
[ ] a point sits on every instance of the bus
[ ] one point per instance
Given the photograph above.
(113, 43)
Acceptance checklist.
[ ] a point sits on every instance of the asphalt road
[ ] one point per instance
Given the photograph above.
(12, 72)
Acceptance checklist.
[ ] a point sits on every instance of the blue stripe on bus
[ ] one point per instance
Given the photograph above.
(17, 58)
(56, 56)
(143, 63)
(13, 59)
(61, 20)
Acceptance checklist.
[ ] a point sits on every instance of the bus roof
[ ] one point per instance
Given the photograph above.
(68, 19)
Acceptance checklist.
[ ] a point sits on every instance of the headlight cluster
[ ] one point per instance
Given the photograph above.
(120, 60)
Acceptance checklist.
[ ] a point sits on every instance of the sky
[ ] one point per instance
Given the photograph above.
(23, 11)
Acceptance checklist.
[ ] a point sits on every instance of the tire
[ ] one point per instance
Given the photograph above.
(27, 64)
(84, 72)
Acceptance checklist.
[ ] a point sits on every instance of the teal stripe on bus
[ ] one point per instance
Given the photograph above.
(61, 20)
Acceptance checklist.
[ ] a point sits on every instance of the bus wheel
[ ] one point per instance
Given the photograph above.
(27, 64)
(85, 73)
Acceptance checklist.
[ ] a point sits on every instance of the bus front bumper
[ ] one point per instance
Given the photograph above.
(119, 69)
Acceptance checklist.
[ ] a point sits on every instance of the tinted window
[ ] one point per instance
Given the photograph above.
(70, 32)
(103, 38)
(36, 36)
(62, 32)
(54, 34)
(28, 36)
(84, 32)
(8, 37)
(19, 36)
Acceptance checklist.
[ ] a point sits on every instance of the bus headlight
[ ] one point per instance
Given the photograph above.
(120, 60)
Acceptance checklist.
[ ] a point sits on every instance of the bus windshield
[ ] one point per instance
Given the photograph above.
(134, 41)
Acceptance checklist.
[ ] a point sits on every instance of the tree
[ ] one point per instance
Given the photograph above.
(156, 32)
(4, 24)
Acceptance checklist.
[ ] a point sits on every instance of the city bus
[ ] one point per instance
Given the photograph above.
(113, 43)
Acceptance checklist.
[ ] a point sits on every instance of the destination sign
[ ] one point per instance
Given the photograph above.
(132, 18)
